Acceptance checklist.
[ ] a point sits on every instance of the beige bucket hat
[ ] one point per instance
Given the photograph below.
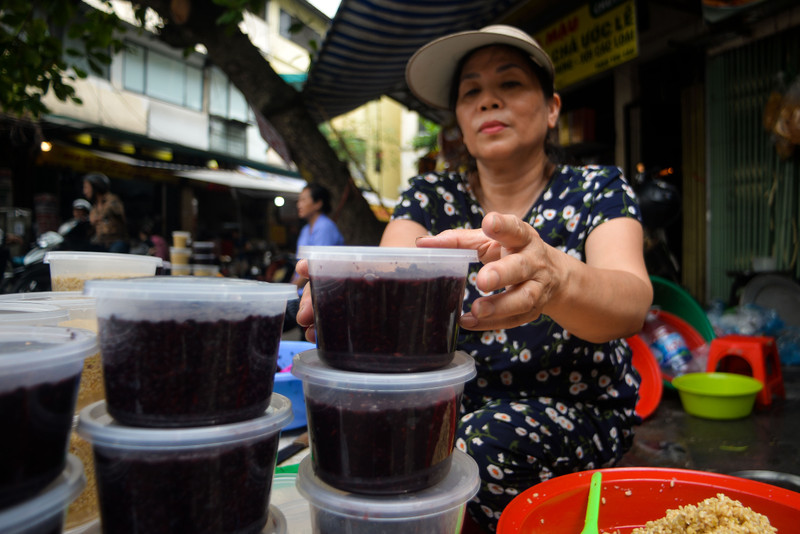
(430, 71)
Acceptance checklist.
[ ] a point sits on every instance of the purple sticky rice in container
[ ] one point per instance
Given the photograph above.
(40, 370)
(202, 480)
(188, 351)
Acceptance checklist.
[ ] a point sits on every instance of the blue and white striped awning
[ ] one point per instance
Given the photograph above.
(365, 51)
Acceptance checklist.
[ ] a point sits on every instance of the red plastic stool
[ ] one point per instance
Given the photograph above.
(760, 352)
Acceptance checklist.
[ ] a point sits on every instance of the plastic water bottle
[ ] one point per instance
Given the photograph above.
(668, 346)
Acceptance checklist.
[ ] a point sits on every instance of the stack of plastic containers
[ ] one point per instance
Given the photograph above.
(77, 311)
(204, 260)
(180, 253)
(383, 391)
(40, 369)
(69, 272)
(187, 436)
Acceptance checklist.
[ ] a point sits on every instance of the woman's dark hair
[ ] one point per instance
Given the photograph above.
(100, 182)
(320, 192)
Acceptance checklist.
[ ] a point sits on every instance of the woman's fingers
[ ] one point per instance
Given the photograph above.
(305, 313)
(487, 249)
(516, 305)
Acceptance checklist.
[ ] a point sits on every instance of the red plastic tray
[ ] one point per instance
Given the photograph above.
(631, 496)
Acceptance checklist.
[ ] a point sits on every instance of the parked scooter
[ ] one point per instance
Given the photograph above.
(32, 274)
(660, 203)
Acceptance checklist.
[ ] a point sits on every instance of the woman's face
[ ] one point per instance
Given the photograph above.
(500, 105)
(87, 189)
(306, 206)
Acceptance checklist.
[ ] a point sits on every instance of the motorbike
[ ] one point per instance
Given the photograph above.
(31, 273)
(660, 205)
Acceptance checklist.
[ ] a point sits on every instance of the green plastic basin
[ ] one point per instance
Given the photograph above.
(717, 395)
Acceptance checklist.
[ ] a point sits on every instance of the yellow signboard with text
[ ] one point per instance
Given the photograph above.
(594, 38)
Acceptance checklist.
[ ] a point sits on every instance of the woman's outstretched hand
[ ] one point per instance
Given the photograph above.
(514, 258)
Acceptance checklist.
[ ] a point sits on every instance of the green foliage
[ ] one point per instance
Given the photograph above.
(429, 139)
(347, 145)
(234, 11)
(33, 60)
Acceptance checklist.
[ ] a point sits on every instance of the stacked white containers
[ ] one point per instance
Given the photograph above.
(187, 436)
(383, 391)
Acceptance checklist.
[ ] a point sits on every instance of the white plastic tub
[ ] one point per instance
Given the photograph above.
(186, 351)
(40, 369)
(44, 512)
(384, 433)
(439, 509)
(70, 270)
(380, 309)
(202, 480)
(18, 313)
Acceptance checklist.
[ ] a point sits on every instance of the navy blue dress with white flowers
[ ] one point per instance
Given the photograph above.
(544, 403)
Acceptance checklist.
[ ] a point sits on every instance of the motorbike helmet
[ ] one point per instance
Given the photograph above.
(100, 182)
(82, 204)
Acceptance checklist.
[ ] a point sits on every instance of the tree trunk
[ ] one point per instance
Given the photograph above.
(279, 103)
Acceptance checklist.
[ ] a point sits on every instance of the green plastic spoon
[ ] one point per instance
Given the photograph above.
(593, 506)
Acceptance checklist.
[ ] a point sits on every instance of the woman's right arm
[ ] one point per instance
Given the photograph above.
(402, 233)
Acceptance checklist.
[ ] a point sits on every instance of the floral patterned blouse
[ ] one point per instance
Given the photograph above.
(540, 358)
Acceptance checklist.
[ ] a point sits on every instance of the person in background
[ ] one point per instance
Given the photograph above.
(78, 231)
(313, 206)
(107, 215)
(561, 283)
(150, 243)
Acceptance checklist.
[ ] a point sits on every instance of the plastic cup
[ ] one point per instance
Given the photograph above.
(385, 310)
(188, 351)
(181, 239)
(202, 480)
(382, 433)
(40, 369)
(18, 313)
(44, 513)
(439, 508)
(179, 256)
(70, 270)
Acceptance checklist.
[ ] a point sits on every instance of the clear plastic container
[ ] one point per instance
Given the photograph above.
(188, 351)
(18, 313)
(385, 310)
(276, 524)
(382, 433)
(70, 270)
(202, 480)
(82, 314)
(179, 256)
(44, 512)
(40, 368)
(180, 270)
(288, 500)
(181, 239)
(438, 509)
